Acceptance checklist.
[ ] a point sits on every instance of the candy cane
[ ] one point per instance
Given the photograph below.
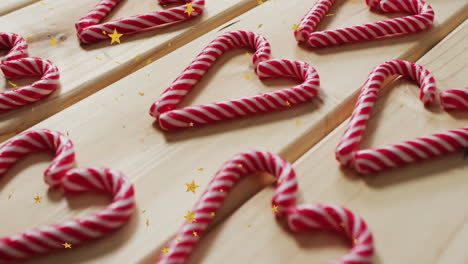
(89, 29)
(371, 160)
(170, 118)
(17, 65)
(422, 19)
(454, 99)
(303, 217)
(60, 174)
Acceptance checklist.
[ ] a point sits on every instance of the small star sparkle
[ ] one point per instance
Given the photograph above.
(189, 9)
(165, 250)
(274, 209)
(37, 199)
(190, 217)
(192, 187)
(67, 245)
(115, 37)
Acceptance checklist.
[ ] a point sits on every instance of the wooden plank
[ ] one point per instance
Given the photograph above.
(414, 212)
(161, 163)
(86, 69)
(7, 6)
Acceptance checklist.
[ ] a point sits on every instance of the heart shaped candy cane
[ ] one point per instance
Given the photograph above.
(299, 218)
(454, 99)
(170, 118)
(371, 160)
(89, 29)
(60, 174)
(17, 65)
(422, 19)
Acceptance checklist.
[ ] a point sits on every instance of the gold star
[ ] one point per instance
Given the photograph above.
(295, 27)
(191, 124)
(240, 165)
(221, 190)
(213, 213)
(249, 225)
(37, 199)
(53, 41)
(147, 222)
(288, 103)
(98, 58)
(355, 241)
(200, 169)
(165, 250)
(298, 123)
(247, 54)
(190, 217)
(342, 224)
(189, 9)
(67, 245)
(148, 61)
(247, 77)
(115, 37)
(260, 25)
(13, 84)
(195, 234)
(141, 93)
(329, 14)
(178, 240)
(191, 187)
(280, 180)
(275, 209)
(259, 2)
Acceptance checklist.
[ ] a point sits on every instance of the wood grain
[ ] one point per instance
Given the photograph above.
(7, 6)
(86, 69)
(415, 212)
(112, 128)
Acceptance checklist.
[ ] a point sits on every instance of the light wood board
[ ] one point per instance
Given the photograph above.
(416, 213)
(7, 6)
(86, 69)
(112, 128)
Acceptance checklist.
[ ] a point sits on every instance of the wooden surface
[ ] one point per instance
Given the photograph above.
(416, 213)
(86, 69)
(7, 6)
(112, 128)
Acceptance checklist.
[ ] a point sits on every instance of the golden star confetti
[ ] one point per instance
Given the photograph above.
(298, 122)
(329, 15)
(288, 103)
(178, 240)
(249, 225)
(191, 124)
(37, 199)
(141, 93)
(12, 84)
(67, 245)
(355, 241)
(260, 25)
(192, 187)
(247, 54)
(240, 165)
(147, 223)
(259, 2)
(148, 61)
(117, 62)
(200, 169)
(165, 250)
(274, 209)
(295, 27)
(280, 180)
(195, 234)
(190, 217)
(189, 9)
(213, 213)
(221, 190)
(247, 77)
(98, 58)
(137, 57)
(42, 2)
(53, 41)
(115, 37)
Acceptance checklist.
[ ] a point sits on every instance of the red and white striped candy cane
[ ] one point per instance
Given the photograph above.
(422, 19)
(16, 44)
(303, 217)
(454, 99)
(89, 29)
(372, 160)
(17, 65)
(60, 174)
(170, 118)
